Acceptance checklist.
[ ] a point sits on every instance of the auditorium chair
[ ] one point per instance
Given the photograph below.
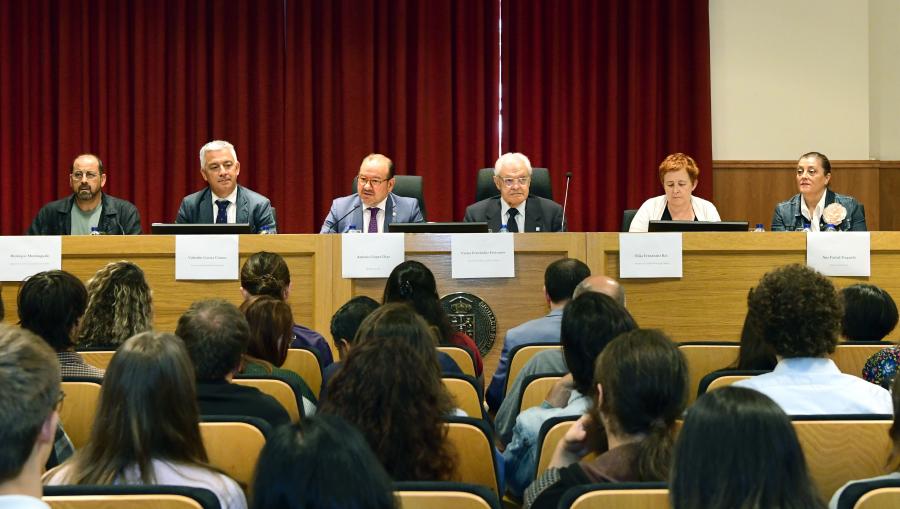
(79, 407)
(851, 356)
(473, 441)
(464, 390)
(725, 377)
(305, 362)
(129, 497)
(290, 397)
(881, 494)
(842, 448)
(540, 184)
(627, 218)
(536, 388)
(552, 432)
(519, 357)
(704, 357)
(233, 444)
(97, 358)
(408, 186)
(461, 357)
(444, 495)
(624, 495)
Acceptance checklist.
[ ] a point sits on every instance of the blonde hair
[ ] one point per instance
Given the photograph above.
(119, 306)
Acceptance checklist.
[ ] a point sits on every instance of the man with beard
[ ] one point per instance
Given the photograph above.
(88, 207)
(223, 200)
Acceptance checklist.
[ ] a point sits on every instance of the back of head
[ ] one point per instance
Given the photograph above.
(589, 323)
(741, 442)
(308, 465)
(870, 313)
(799, 311)
(29, 392)
(50, 304)
(413, 283)
(216, 335)
(148, 410)
(347, 319)
(119, 305)
(390, 388)
(265, 273)
(644, 379)
(601, 284)
(562, 276)
(754, 352)
(271, 328)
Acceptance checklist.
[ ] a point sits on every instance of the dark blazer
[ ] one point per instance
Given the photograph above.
(252, 208)
(348, 210)
(787, 215)
(119, 217)
(539, 213)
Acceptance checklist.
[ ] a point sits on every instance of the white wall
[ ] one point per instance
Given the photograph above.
(884, 84)
(790, 76)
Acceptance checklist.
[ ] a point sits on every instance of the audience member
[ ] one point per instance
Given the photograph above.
(870, 314)
(753, 353)
(589, 323)
(146, 430)
(390, 388)
(737, 448)
(271, 322)
(51, 305)
(560, 279)
(800, 313)
(119, 306)
(216, 335)
(639, 388)
(29, 397)
(266, 273)
(307, 465)
(344, 324)
(413, 283)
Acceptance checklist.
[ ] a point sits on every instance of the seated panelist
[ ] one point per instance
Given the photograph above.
(816, 206)
(678, 174)
(223, 200)
(373, 207)
(514, 208)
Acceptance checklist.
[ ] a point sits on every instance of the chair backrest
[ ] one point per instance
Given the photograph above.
(724, 378)
(627, 495)
(233, 444)
(97, 358)
(880, 494)
(305, 362)
(850, 358)
(461, 357)
(540, 184)
(409, 186)
(291, 400)
(520, 355)
(627, 218)
(80, 407)
(129, 497)
(552, 431)
(536, 389)
(842, 448)
(706, 357)
(444, 495)
(474, 444)
(464, 390)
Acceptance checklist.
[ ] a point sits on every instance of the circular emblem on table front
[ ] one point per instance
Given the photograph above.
(471, 315)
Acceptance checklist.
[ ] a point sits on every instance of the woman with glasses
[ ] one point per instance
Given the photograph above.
(678, 174)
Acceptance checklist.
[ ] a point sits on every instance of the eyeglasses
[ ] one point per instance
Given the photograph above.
(90, 175)
(509, 182)
(363, 181)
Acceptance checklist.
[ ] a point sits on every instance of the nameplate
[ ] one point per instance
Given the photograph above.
(22, 257)
(206, 257)
(649, 255)
(482, 255)
(839, 253)
(371, 255)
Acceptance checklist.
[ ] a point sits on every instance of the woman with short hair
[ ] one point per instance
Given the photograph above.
(679, 175)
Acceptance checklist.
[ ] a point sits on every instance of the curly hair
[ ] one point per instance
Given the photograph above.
(390, 388)
(265, 273)
(799, 311)
(119, 306)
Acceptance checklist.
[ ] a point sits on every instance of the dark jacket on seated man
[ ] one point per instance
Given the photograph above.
(787, 215)
(541, 214)
(252, 208)
(119, 217)
(224, 398)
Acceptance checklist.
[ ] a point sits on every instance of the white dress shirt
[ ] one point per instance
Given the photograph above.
(816, 216)
(232, 206)
(379, 216)
(504, 214)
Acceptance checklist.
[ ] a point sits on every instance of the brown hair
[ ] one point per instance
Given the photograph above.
(271, 329)
(678, 162)
(119, 306)
(265, 273)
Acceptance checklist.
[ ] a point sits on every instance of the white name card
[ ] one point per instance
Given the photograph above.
(22, 257)
(648, 255)
(206, 257)
(839, 253)
(369, 255)
(482, 255)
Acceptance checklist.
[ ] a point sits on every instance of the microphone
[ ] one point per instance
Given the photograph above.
(566, 199)
(334, 225)
(119, 224)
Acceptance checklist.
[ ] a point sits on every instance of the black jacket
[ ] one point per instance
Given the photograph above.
(119, 217)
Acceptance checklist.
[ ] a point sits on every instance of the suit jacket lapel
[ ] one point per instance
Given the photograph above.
(243, 207)
(534, 217)
(492, 214)
(389, 212)
(359, 215)
(205, 213)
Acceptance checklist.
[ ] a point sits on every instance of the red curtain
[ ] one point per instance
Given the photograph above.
(606, 89)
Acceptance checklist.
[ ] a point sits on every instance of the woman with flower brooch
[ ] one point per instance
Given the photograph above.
(816, 207)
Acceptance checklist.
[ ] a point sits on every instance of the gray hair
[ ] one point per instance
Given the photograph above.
(216, 145)
(516, 158)
(610, 287)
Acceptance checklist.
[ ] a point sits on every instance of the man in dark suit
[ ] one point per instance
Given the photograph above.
(223, 200)
(514, 208)
(373, 207)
